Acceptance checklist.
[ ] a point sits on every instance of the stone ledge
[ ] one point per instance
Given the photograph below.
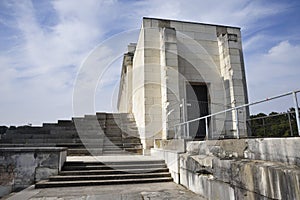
(285, 150)
(252, 178)
(171, 158)
(33, 149)
(22, 166)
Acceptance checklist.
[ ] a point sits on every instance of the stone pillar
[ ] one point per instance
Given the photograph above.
(169, 82)
(233, 73)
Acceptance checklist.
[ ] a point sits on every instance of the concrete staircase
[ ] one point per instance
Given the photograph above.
(100, 134)
(79, 173)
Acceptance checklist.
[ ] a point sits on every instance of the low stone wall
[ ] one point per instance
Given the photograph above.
(172, 161)
(20, 167)
(243, 169)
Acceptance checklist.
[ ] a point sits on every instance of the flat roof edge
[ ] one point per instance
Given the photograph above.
(193, 22)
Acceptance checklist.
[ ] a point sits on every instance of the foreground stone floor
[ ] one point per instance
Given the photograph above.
(151, 191)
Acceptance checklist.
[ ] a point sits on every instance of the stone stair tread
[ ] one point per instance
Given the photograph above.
(106, 176)
(104, 167)
(123, 171)
(134, 162)
(100, 182)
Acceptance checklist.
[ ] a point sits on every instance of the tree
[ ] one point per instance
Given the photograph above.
(274, 125)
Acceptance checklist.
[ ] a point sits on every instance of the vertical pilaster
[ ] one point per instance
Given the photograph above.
(169, 82)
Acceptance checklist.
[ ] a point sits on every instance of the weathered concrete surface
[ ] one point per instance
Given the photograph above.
(173, 145)
(151, 191)
(286, 150)
(243, 169)
(171, 159)
(22, 166)
(170, 150)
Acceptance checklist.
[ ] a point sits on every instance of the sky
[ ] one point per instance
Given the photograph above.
(43, 45)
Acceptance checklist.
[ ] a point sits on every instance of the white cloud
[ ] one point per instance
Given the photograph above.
(274, 72)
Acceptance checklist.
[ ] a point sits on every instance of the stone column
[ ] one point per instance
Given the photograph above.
(233, 73)
(169, 82)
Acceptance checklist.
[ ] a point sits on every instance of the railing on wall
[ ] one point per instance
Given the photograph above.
(245, 125)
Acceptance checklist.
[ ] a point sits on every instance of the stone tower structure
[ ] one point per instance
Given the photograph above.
(178, 71)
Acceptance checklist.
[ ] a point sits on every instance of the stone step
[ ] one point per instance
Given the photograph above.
(40, 141)
(71, 145)
(65, 123)
(110, 144)
(123, 152)
(133, 145)
(117, 153)
(52, 126)
(45, 184)
(131, 140)
(112, 148)
(132, 162)
(108, 177)
(84, 152)
(113, 140)
(134, 150)
(109, 167)
(27, 145)
(27, 130)
(113, 134)
(39, 136)
(103, 172)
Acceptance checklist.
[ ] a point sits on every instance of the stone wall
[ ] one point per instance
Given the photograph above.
(243, 169)
(21, 167)
(171, 158)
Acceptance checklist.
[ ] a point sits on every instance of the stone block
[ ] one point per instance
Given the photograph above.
(177, 25)
(235, 45)
(172, 161)
(210, 29)
(187, 34)
(42, 173)
(284, 150)
(235, 59)
(173, 144)
(193, 27)
(220, 190)
(146, 23)
(200, 184)
(205, 37)
(22, 163)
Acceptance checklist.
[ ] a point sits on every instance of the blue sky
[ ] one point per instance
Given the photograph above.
(43, 44)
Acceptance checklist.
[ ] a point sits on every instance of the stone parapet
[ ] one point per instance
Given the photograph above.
(242, 169)
(21, 167)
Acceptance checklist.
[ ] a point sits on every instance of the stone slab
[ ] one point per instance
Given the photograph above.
(151, 191)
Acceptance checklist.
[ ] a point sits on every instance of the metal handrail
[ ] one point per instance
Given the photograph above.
(294, 93)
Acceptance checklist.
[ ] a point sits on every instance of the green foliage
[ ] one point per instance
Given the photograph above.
(274, 125)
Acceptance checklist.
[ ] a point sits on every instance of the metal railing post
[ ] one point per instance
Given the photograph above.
(237, 123)
(183, 117)
(290, 124)
(188, 130)
(297, 111)
(206, 128)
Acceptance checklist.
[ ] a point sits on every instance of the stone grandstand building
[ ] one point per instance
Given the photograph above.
(178, 71)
